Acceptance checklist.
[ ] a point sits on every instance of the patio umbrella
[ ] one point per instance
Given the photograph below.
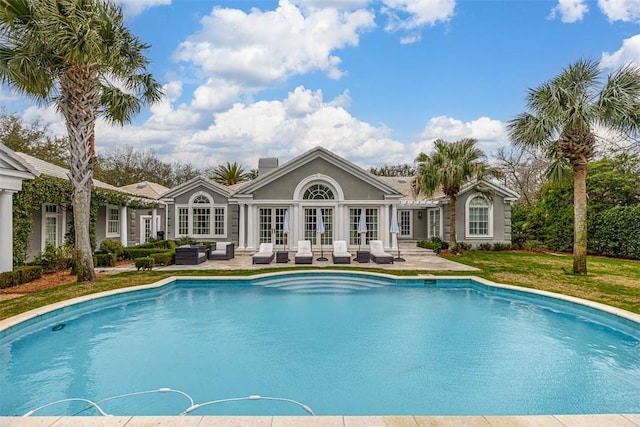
(286, 227)
(395, 230)
(320, 231)
(362, 226)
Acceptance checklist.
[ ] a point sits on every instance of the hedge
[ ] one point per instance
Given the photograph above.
(137, 252)
(105, 260)
(20, 275)
(145, 263)
(618, 234)
(164, 258)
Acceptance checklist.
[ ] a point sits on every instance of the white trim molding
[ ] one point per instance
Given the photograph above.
(489, 207)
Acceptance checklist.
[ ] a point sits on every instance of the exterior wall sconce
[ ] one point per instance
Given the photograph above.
(420, 214)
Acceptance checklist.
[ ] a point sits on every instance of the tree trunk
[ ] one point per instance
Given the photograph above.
(80, 96)
(580, 218)
(453, 241)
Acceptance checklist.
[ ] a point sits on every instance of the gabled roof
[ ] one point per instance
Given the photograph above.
(193, 183)
(147, 189)
(308, 156)
(12, 165)
(55, 171)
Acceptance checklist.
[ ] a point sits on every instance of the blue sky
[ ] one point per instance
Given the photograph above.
(375, 81)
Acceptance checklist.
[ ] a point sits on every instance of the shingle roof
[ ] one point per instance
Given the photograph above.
(147, 189)
(55, 171)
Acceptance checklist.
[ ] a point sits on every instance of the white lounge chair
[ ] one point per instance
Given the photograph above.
(340, 254)
(378, 255)
(304, 254)
(265, 254)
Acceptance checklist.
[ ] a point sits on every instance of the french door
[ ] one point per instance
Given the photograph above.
(311, 226)
(271, 224)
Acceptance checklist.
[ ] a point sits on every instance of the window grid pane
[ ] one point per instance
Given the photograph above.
(113, 221)
(478, 221)
(218, 221)
(183, 221)
(318, 192)
(405, 223)
(310, 225)
(265, 225)
(201, 221)
(51, 231)
(371, 219)
(434, 223)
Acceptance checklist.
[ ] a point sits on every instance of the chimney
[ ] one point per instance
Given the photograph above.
(266, 165)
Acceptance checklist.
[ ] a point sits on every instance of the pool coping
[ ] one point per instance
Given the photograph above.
(632, 420)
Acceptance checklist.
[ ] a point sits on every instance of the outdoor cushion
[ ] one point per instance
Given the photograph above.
(340, 254)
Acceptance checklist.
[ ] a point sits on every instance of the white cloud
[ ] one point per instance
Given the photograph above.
(135, 7)
(290, 127)
(570, 10)
(491, 134)
(338, 4)
(260, 48)
(620, 10)
(412, 14)
(629, 53)
(215, 95)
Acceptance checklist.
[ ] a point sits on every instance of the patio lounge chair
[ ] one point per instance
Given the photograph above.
(265, 254)
(340, 254)
(378, 255)
(222, 250)
(304, 254)
(191, 254)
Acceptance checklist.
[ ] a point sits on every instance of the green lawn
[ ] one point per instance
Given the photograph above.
(610, 281)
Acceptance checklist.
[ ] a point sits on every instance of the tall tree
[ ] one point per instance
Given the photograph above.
(33, 139)
(394, 170)
(564, 113)
(523, 170)
(125, 165)
(79, 55)
(450, 166)
(229, 174)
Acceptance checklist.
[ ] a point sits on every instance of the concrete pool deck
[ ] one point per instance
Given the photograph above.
(605, 420)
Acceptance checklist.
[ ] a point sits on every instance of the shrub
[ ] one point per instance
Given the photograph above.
(619, 234)
(164, 258)
(463, 246)
(498, 246)
(435, 244)
(145, 263)
(104, 260)
(137, 252)
(55, 258)
(186, 240)
(484, 247)
(534, 246)
(20, 275)
(171, 244)
(112, 247)
(162, 244)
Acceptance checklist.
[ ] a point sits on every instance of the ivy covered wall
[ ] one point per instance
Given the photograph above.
(47, 189)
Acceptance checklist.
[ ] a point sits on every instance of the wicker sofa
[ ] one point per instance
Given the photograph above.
(191, 254)
(222, 250)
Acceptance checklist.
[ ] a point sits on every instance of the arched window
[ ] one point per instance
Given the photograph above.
(201, 218)
(478, 216)
(318, 192)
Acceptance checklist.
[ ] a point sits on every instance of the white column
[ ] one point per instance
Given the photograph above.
(297, 225)
(394, 236)
(384, 225)
(154, 223)
(251, 226)
(6, 230)
(241, 226)
(124, 226)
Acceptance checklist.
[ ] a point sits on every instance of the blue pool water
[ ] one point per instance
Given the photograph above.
(342, 344)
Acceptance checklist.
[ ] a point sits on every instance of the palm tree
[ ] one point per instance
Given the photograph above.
(229, 174)
(78, 55)
(564, 113)
(450, 166)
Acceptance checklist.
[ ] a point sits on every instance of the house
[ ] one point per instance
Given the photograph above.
(250, 213)
(254, 212)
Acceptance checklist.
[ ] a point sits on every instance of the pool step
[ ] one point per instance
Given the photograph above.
(311, 284)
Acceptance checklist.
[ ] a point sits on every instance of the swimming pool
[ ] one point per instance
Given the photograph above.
(341, 343)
